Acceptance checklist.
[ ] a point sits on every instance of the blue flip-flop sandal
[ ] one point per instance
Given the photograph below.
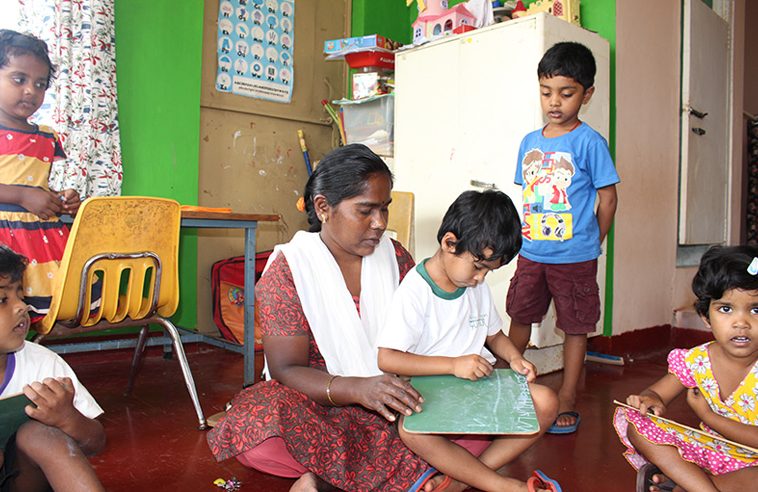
(539, 480)
(565, 429)
(425, 477)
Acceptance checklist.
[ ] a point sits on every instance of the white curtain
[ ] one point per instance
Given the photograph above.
(81, 105)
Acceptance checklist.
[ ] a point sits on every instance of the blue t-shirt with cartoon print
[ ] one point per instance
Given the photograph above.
(559, 178)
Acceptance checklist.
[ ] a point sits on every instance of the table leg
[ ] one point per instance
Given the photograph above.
(249, 339)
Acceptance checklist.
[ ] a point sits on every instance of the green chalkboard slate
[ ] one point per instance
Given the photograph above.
(498, 404)
(12, 415)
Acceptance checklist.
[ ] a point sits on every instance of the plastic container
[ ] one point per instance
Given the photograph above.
(371, 58)
(371, 122)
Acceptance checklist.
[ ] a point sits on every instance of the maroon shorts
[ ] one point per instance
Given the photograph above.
(573, 287)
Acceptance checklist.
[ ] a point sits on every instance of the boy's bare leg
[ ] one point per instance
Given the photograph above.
(519, 334)
(686, 475)
(453, 460)
(47, 457)
(574, 351)
(546, 408)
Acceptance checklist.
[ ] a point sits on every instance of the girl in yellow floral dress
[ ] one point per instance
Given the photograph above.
(720, 379)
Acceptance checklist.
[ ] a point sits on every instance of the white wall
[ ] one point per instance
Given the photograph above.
(647, 284)
(647, 155)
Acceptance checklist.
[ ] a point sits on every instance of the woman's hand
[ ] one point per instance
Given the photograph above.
(43, 203)
(647, 402)
(698, 403)
(385, 394)
(472, 367)
(71, 201)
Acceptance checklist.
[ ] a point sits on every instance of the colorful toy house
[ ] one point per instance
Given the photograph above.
(437, 20)
(567, 10)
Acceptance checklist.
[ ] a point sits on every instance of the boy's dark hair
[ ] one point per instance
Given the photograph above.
(569, 59)
(14, 43)
(12, 264)
(723, 268)
(343, 173)
(481, 220)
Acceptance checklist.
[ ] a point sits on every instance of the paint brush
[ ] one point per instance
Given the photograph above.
(306, 155)
(337, 120)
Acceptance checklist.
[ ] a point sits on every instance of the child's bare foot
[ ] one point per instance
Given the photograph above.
(565, 419)
(309, 482)
(567, 416)
(444, 482)
(650, 477)
(662, 483)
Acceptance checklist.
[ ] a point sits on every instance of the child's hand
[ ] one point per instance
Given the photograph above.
(472, 366)
(71, 201)
(54, 398)
(698, 403)
(43, 203)
(647, 403)
(525, 368)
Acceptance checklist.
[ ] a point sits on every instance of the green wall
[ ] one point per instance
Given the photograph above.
(600, 16)
(158, 62)
(388, 18)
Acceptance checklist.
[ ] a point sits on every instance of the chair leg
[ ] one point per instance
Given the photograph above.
(139, 352)
(188, 380)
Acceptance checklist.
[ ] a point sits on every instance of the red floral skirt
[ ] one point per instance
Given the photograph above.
(349, 447)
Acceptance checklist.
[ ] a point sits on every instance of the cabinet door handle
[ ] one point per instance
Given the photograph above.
(697, 114)
(698, 131)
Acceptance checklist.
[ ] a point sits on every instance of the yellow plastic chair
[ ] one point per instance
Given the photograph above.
(129, 246)
(401, 219)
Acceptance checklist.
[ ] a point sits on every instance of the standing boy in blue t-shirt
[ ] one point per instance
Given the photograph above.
(562, 168)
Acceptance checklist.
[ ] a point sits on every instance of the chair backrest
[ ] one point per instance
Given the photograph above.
(401, 219)
(131, 244)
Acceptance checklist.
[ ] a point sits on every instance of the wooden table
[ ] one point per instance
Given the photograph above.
(249, 223)
(206, 220)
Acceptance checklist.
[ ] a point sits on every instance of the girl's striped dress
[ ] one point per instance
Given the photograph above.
(25, 160)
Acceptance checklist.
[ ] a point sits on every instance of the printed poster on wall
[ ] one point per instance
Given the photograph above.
(255, 47)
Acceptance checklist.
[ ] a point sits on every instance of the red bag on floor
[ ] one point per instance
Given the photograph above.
(228, 291)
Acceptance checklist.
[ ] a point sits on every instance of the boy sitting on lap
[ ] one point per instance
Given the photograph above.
(439, 322)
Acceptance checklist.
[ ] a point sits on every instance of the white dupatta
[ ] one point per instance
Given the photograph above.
(345, 339)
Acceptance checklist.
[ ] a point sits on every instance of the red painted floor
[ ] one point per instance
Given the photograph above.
(153, 443)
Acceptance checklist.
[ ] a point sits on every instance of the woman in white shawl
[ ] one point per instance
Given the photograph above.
(326, 413)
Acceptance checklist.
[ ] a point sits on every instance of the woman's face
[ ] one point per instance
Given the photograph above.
(355, 225)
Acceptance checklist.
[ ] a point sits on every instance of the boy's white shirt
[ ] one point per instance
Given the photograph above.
(35, 363)
(345, 339)
(422, 323)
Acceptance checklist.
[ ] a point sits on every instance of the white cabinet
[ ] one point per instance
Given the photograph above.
(462, 106)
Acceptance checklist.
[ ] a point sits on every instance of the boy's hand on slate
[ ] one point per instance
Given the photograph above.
(54, 400)
(525, 368)
(647, 403)
(45, 204)
(472, 366)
